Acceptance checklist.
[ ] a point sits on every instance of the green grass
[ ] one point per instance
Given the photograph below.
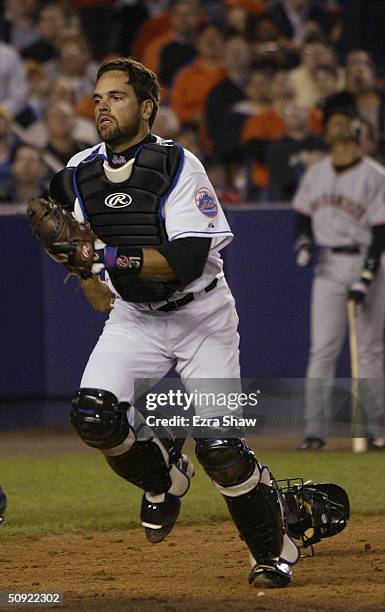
(80, 493)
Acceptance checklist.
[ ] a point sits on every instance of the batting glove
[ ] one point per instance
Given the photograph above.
(359, 290)
(303, 249)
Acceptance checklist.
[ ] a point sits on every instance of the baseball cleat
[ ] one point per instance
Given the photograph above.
(376, 444)
(159, 514)
(312, 444)
(274, 574)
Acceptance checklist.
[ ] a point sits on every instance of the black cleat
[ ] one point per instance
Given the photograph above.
(159, 517)
(312, 444)
(274, 574)
(376, 444)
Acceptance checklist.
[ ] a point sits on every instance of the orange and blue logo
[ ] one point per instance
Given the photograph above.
(206, 202)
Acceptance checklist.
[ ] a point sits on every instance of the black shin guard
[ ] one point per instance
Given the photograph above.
(249, 492)
(258, 517)
(144, 466)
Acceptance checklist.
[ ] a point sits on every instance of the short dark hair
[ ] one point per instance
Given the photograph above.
(143, 80)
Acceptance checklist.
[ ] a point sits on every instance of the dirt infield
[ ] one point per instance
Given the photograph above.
(197, 568)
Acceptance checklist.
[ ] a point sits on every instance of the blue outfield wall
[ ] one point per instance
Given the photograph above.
(48, 329)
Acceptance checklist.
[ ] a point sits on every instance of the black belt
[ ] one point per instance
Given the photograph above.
(347, 250)
(186, 299)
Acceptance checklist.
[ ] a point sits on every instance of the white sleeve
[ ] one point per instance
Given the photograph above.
(301, 201)
(192, 209)
(377, 202)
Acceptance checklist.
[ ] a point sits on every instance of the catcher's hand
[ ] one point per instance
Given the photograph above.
(64, 239)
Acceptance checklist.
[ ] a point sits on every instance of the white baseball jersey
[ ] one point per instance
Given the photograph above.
(191, 209)
(343, 205)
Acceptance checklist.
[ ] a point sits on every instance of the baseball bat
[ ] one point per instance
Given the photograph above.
(359, 442)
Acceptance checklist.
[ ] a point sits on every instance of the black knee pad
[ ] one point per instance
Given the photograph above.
(227, 461)
(99, 419)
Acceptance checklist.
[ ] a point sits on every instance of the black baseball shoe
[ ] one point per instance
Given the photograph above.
(312, 444)
(159, 517)
(159, 513)
(376, 444)
(274, 574)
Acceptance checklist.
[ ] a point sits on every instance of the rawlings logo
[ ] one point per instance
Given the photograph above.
(86, 251)
(118, 200)
(122, 262)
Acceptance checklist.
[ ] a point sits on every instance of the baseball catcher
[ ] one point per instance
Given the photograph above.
(146, 216)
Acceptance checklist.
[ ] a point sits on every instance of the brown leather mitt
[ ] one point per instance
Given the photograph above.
(64, 239)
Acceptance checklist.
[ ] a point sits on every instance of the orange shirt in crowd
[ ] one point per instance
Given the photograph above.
(151, 55)
(191, 87)
(269, 126)
(151, 29)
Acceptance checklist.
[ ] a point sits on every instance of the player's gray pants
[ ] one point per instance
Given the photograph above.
(334, 274)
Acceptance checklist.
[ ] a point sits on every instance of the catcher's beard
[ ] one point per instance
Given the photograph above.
(115, 135)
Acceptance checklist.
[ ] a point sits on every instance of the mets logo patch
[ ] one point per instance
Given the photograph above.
(206, 202)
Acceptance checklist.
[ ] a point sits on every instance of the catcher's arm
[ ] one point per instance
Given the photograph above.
(98, 294)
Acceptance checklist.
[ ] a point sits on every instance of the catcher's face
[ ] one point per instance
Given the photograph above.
(121, 120)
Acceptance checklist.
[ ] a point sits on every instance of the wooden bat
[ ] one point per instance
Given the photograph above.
(359, 441)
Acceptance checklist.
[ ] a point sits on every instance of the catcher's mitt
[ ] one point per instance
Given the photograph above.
(64, 239)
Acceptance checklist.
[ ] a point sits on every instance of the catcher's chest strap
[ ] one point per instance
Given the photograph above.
(129, 213)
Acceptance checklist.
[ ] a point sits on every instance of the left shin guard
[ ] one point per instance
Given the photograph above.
(251, 495)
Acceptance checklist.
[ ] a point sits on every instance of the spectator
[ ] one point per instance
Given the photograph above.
(19, 29)
(172, 50)
(288, 157)
(157, 24)
(13, 84)
(74, 63)
(61, 145)
(28, 172)
(282, 90)
(166, 124)
(52, 22)
(127, 20)
(229, 91)
(296, 18)
(194, 83)
(38, 90)
(240, 12)
(363, 27)
(8, 143)
(228, 146)
(361, 95)
(326, 79)
(181, 50)
(61, 91)
(270, 47)
(313, 54)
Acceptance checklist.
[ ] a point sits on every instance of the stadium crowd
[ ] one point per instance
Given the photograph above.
(246, 84)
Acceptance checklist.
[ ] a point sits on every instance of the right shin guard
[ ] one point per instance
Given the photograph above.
(150, 463)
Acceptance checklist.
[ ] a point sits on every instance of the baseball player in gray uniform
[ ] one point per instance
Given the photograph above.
(341, 209)
(160, 230)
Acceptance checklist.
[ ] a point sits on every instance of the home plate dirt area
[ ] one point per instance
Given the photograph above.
(197, 568)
